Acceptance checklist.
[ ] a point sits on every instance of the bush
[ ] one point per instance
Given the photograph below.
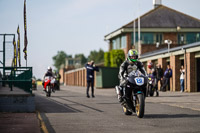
(114, 58)
(107, 59)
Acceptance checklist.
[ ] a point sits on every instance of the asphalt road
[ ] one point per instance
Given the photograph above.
(69, 111)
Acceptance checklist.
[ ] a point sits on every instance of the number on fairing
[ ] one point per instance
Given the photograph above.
(139, 81)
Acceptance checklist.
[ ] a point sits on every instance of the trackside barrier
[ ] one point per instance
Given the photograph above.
(20, 77)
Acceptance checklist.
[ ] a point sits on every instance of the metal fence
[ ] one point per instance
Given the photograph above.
(20, 77)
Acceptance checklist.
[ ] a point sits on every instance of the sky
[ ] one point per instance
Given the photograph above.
(73, 26)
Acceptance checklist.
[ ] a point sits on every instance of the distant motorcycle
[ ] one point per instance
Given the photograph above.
(151, 86)
(137, 83)
(56, 84)
(49, 85)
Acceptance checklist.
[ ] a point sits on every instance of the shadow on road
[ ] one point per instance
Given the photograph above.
(161, 116)
(174, 96)
(47, 105)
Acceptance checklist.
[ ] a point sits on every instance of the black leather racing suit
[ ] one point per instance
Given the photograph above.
(125, 68)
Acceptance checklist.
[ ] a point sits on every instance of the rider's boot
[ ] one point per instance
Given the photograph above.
(157, 93)
(119, 92)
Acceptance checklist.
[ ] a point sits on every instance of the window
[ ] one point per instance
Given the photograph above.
(181, 38)
(123, 41)
(198, 37)
(191, 37)
(147, 38)
(116, 43)
(132, 38)
(158, 37)
(113, 44)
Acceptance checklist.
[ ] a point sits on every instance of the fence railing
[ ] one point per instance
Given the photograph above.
(20, 77)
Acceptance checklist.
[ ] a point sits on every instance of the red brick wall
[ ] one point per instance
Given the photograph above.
(77, 78)
(128, 42)
(151, 47)
(170, 36)
(175, 66)
(190, 57)
(61, 72)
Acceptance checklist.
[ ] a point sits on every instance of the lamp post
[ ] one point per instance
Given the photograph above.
(168, 42)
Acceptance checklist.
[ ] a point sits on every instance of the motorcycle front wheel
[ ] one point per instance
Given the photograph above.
(48, 93)
(139, 105)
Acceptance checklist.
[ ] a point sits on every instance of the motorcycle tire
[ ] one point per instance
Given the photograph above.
(147, 91)
(151, 91)
(126, 112)
(48, 93)
(139, 106)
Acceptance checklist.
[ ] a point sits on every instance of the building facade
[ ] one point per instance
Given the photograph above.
(157, 27)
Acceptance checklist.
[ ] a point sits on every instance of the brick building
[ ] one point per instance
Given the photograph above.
(156, 26)
(70, 64)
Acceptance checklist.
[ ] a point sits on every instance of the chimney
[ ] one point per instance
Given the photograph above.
(156, 3)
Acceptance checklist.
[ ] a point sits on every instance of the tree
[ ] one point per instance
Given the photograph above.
(59, 59)
(97, 57)
(82, 57)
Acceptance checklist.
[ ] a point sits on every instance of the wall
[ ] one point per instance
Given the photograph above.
(77, 77)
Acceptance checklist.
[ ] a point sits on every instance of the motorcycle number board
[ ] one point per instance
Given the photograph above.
(139, 80)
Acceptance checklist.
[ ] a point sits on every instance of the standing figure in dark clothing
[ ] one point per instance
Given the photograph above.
(159, 74)
(90, 67)
(166, 78)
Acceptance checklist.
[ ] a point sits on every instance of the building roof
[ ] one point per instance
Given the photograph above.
(165, 50)
(165, 17)
(160, 17)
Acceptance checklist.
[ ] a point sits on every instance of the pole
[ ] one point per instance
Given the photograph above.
(4, 53)
(185, 69)
(139, 45)
(168, 46)
(134, 32)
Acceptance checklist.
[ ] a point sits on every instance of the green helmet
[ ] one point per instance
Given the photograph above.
(132, 55)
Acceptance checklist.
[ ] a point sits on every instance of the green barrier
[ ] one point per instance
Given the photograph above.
(20, 77)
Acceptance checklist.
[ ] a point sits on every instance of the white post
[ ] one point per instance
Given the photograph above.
(139, 45)
(168, 42)
(168, 46)
(134, 32)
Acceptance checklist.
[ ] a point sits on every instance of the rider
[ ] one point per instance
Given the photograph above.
(153, 72)
(152, 69)
(48, 73)
(57, 76)
(130, 64)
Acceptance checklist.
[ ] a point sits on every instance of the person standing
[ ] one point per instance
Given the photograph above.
(166, 78)
(159, 74)
(90, 68)
(182, 76)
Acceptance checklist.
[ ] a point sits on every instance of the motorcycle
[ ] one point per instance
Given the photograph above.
(56, 84)
(137, 83)
(151, 86)
(49, 85)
